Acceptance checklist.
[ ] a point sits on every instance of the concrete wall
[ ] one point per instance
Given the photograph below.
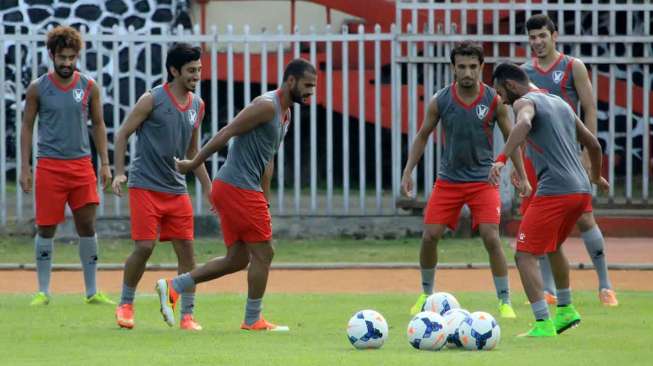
(284, 227)
(266, 15)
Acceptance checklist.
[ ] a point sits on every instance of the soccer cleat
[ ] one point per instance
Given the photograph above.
(541, 329)
(189, 323)
(419, 305)
(506, 311)
(168, 299)
(608, 297)
(550, 298)
(125, 316)
(40, 299)
(262, 324)
(566, 317)
(99, 299)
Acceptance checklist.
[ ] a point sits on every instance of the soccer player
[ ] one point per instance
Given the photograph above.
(567, 78)
(64, 99)
(167, 123)
(469, 110)
(550, 129)
(241, 192)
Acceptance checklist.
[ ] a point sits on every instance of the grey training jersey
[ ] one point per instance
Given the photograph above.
(250, 153)
(551, 146)
(467, 153)
(558, 79)
(164, 135)
(63, 113)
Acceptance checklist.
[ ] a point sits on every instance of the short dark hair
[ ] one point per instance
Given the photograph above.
(297, 68)
(509, 71)
(538, 21)
(179, 55)
(467, 49)
(64, 37)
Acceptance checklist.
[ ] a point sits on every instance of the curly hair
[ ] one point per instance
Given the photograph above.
(64, 37)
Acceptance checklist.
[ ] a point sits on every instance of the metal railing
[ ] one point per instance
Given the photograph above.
(613, 38)
(370, 100)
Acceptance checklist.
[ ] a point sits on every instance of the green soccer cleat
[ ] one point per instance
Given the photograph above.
(541, 329)
(40, 299)
(99, 299)
(419, 305)
(506, 311)
(566, 317)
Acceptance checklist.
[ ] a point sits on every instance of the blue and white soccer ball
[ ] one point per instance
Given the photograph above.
(479, 331)
(367, 329)
(440, 302)
(427, 331)
(453, 318)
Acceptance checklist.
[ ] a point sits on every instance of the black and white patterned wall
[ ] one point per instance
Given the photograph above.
(638, 120)
(96, 17)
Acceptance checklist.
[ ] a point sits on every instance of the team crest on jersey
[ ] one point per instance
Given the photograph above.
(557, 76)
(78, 94)
(192, 114)
(481, 111)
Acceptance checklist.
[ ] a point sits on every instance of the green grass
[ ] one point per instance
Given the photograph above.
(68, 332)
(20, 250)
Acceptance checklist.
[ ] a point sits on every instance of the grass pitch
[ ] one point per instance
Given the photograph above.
(68, 332)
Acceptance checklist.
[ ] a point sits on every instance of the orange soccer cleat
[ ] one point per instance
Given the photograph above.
(262, 324)
(189, 323)
(125, 316)
(608, 297)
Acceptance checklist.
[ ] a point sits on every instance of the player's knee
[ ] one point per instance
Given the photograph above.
(489, 234)
(518, 260)
(493, 245)
(86, 228)
(47, 232)
(263, 254)
(431, 236)
(267, 255)
(143, 250)
(586, 222)
(240, 263)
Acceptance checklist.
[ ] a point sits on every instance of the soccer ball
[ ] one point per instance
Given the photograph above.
(440, 302)
(479, 331)
(367, 329)
(427, 331)
(452, 319)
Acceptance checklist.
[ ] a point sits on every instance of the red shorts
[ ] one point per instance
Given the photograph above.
(161, 215)
(532, 179)
(447, 198)
(549, 221)
(58, 182)
(244, 214)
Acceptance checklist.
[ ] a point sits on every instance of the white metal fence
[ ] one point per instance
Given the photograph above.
(370, 99)
(612, 37)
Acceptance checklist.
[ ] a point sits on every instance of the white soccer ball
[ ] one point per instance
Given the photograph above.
(453, 318)
(479, 331)
(440, 302)
(427, 331)
(367, 329)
